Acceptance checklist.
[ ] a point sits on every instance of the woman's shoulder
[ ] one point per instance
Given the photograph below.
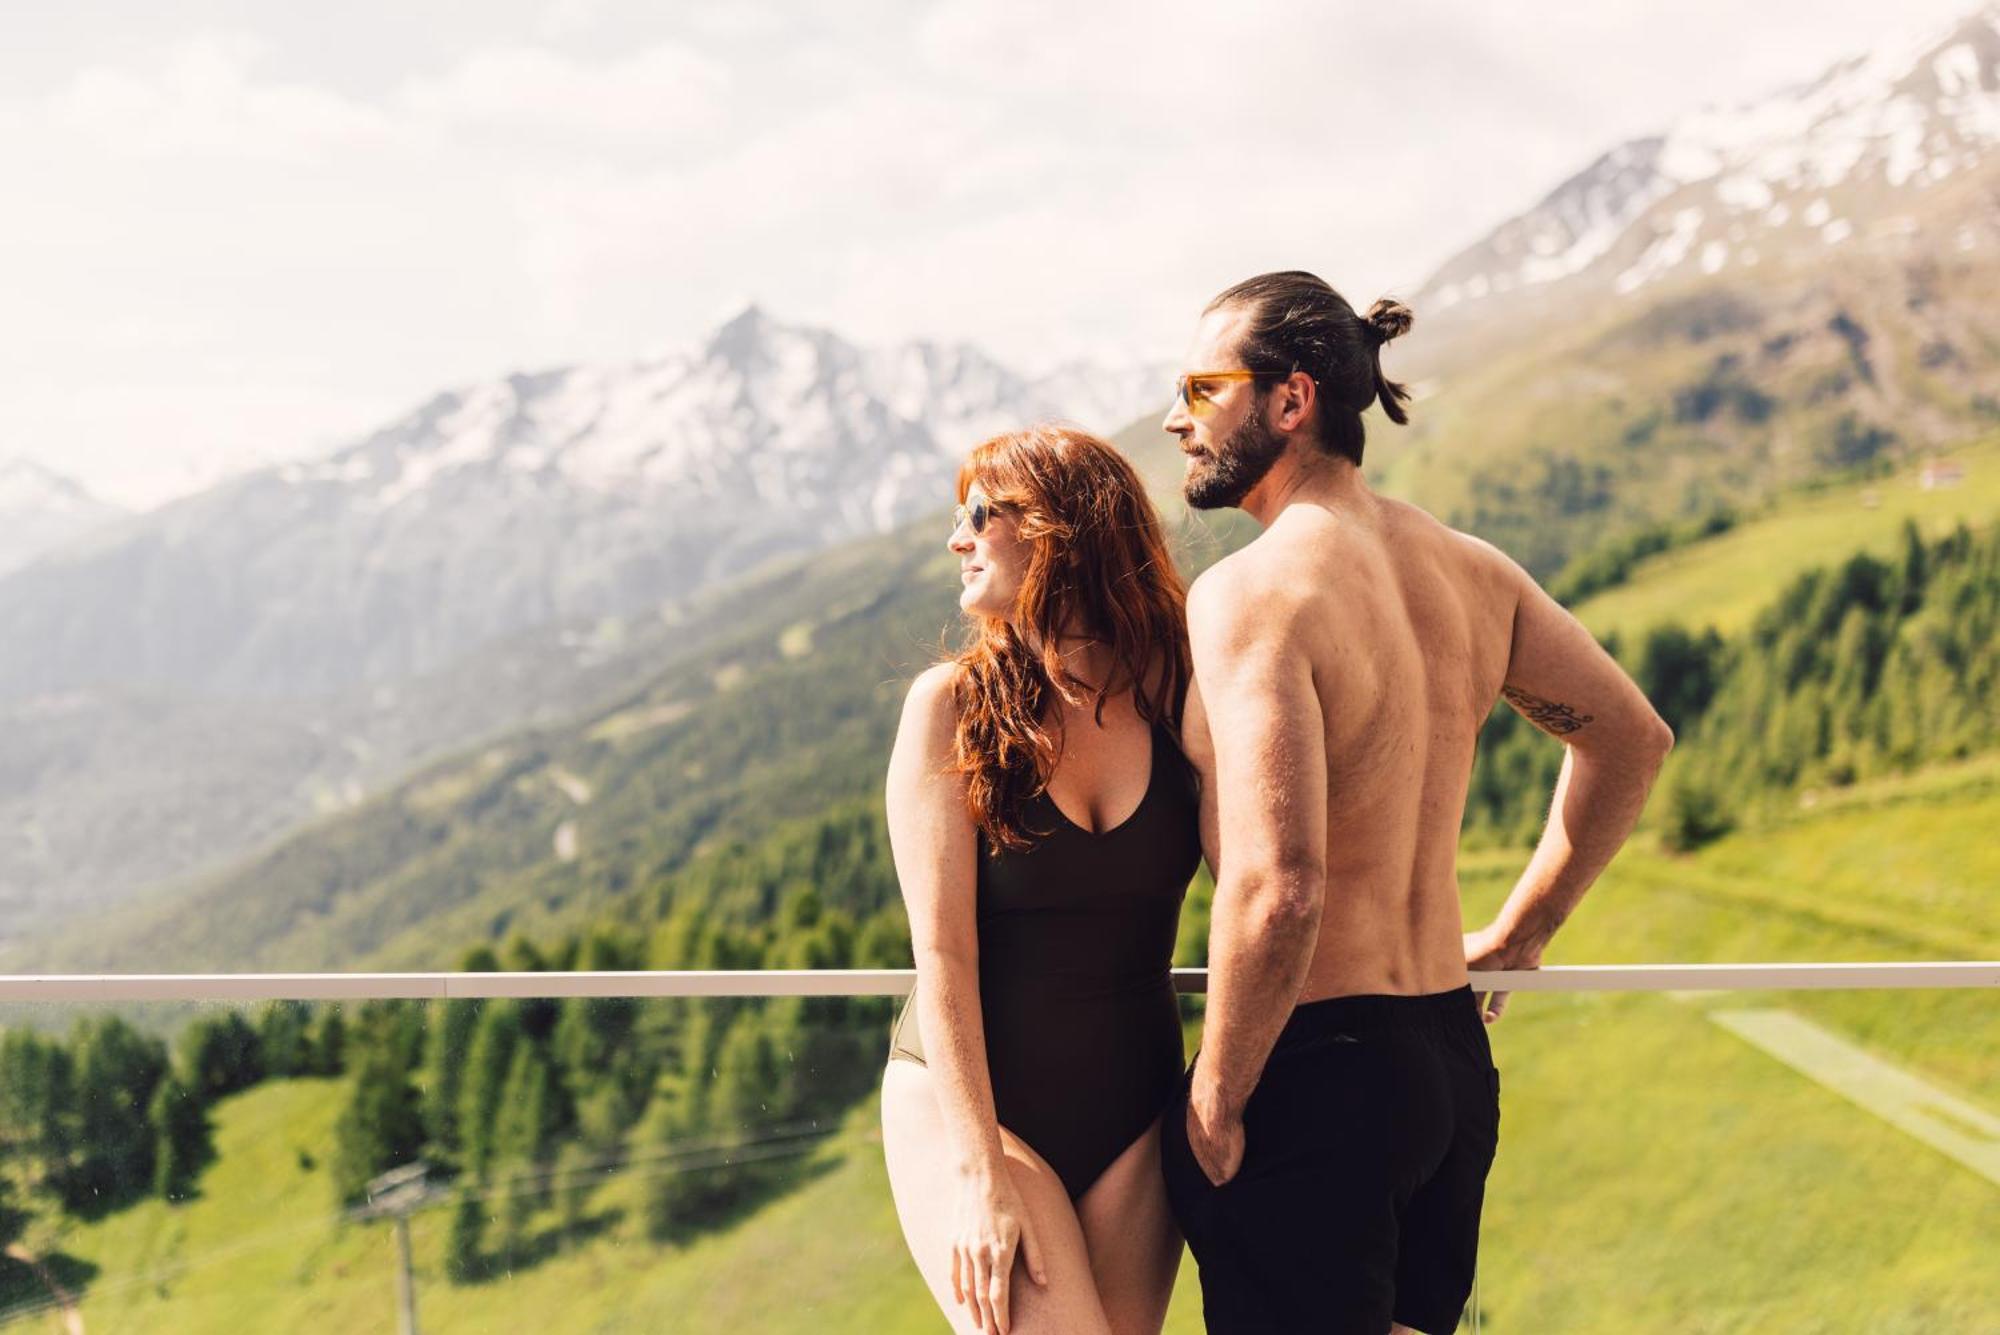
(933, 696)
(939, 681)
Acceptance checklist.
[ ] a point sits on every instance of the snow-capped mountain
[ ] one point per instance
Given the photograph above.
(530, 500)
(1877, 148)
(41, 509)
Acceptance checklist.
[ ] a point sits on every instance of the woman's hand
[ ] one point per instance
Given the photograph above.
(992, 1224)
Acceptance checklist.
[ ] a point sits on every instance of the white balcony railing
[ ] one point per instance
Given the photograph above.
(61, 988)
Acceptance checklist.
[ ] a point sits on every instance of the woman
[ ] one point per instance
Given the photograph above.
(1044, 825)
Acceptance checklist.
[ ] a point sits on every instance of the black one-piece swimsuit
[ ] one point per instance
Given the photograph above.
(1076, 943)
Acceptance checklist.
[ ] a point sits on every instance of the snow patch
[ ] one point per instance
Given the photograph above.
(1740, 191)
(1957, 69)
(1665, 252)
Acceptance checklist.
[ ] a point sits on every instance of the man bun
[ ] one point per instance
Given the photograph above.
(1389, 319)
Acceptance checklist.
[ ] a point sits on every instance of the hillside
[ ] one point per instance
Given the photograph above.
(183, 685)
(785, 710)
(1656, 1171)
(1722, 582)
(790, 714)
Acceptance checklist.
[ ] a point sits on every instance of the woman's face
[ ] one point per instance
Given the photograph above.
(992, 557)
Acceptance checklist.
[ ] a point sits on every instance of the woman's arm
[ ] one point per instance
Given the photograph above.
(932, 837)
(936, 849)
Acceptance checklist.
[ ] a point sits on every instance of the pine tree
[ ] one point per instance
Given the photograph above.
(38, 1112)
(464, 1261)
(13, 1219)
(117, 1070)
(282, 1038)
(381, 1127)
(486, 1068)
(672, 1200)
(220, 1055)
(447, 1052)
(525, 1130)
(575, 1179)
(180, 1125)
(524, 1141)
(749, 1081)
(329, 1043)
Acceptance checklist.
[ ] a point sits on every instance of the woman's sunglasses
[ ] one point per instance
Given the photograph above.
(976, 511)
(1197, 389)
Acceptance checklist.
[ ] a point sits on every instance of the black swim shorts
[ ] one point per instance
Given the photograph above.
(1366, 1147)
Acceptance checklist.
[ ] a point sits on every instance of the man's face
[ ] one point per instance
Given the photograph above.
(1228, 444)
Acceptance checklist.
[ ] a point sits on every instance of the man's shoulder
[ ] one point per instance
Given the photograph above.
(1242, 591)
(1242, 572)
(1474, 552)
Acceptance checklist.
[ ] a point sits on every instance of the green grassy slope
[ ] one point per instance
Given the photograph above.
(1723, 581)
(1656, 1173)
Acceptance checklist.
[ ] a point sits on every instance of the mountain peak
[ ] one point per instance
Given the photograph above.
(1816, 165)
(749, 314)
(745, 338)
(26, 483)
(41, 510)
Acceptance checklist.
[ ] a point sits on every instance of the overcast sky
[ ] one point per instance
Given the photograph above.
(236, 231)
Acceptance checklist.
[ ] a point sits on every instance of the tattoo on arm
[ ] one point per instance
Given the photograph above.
(1546, 714)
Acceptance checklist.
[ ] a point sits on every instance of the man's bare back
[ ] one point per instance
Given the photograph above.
(1407, 626)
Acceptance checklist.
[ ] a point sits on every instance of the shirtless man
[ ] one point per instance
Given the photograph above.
(1330, 1158)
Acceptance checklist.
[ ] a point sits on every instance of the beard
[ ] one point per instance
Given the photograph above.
(1222, 479)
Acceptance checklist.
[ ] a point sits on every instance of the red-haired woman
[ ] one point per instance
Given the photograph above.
(1045, 826)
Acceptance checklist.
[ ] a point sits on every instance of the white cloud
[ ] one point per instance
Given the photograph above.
(225, 251)
(660, 97)
(201, 99)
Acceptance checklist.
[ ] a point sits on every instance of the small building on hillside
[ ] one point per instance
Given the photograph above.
(1939, 473)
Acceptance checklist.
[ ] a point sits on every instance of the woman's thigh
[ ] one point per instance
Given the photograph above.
(1134, 1245)
(922, 1177)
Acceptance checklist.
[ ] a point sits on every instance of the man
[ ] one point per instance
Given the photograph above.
(1330, 1159)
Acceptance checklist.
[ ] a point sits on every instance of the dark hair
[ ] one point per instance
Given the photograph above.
(1298, 323)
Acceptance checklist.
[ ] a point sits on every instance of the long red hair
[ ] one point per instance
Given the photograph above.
(1098, 566)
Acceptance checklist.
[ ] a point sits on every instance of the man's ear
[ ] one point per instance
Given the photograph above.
(1294, 401)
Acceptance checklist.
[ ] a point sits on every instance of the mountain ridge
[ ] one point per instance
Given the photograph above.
(1796, 173)
(42, 510)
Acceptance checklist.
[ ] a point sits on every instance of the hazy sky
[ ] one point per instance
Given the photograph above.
(235, 231)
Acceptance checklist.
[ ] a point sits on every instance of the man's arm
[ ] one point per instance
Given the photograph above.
(1201, 754)
(1267, 773)
(1561, 680)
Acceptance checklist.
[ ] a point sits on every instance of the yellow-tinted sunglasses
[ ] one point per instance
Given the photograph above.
(1197, 389)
